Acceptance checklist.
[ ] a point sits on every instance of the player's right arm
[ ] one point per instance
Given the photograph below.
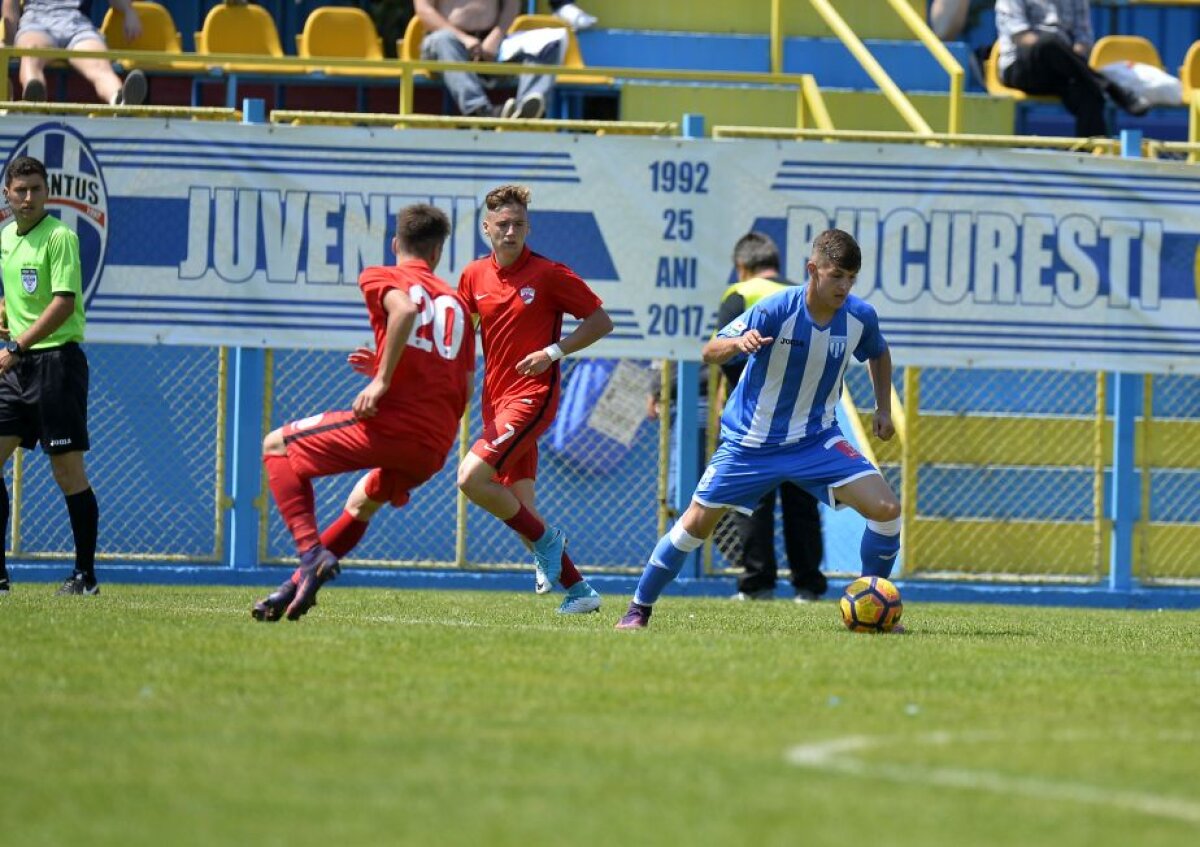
(719, 350)
(401, 316)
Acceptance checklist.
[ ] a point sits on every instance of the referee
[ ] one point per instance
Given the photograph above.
(43, 372)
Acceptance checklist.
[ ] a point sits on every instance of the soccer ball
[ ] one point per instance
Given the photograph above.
(871, 604)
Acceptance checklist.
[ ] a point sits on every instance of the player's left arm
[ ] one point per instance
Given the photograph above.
(880, 368)
(401, 316)
(590, 330)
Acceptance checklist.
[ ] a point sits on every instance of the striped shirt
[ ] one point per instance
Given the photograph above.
(1071, 20)
(790, 388)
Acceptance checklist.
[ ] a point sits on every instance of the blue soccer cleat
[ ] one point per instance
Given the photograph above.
(581, 599)
(547, 555)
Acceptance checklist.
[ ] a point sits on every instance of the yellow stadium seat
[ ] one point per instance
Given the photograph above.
(573, 57)
(408, 48)
(159, 34)
(1189, 71)
(1123, 48)
(996, 88)
(248, 29)
(344, 32)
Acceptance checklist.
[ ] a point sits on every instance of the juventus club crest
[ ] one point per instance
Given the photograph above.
(77, 194)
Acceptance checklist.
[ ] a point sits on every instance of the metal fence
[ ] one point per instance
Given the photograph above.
(1005, 475)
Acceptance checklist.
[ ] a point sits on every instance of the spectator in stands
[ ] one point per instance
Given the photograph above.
(62, 23)
(476, 31)
(948, 18)
(573, 16)
(1044, 47)
(756, 258)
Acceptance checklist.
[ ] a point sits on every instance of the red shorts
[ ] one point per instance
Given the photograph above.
(338, 442)
(510, 434)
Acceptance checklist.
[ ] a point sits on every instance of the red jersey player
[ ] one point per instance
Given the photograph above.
(402, 425)
(520, 298)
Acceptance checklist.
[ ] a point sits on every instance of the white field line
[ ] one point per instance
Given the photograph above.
(839, 755)
(237, 611)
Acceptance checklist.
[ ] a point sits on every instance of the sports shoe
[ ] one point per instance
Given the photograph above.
(540, 586)
(548, 553)
(581, 600)
(531, 107)
(271, 608)
(575, 17)
(76, 583)
(638, 617)
(34, 91)
(321, 567)
(5, 585)
(133, 89)
(760, 594)
(804, 595)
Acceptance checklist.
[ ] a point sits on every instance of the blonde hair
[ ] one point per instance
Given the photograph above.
(507, 195)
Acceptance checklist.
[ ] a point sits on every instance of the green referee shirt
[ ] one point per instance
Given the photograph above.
(37, 265)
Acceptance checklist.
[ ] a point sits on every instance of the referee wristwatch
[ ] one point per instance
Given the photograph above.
(14, 348)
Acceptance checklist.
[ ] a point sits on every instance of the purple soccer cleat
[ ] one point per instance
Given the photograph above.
(317, 567)
(271, 608)
(638, 617)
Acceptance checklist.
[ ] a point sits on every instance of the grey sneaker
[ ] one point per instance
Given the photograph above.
(5, 585)
(34, 92)
(803, 595)
(76, 583)
(133, 89)
(531, 108)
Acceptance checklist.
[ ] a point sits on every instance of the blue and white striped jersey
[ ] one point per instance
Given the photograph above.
(790, 388)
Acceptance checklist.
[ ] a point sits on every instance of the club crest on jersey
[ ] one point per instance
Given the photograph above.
(527, 294)
(29, 279)
(837, 346)
(77, 194)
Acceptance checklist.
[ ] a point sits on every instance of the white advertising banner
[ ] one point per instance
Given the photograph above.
(205, 233)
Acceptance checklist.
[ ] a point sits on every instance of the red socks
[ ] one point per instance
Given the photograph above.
(524, 523)
(570, 574)
(294, 497)
(341, 536)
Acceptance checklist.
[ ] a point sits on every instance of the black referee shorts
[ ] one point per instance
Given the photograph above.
(44, 399)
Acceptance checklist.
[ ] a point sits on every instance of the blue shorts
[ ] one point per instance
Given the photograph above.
(737, 477)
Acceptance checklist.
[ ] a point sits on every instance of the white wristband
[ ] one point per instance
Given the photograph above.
(554, 352)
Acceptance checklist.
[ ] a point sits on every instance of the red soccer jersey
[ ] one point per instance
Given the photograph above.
(521, 310)
(432, 382)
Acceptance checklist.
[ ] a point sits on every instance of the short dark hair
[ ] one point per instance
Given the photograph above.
(756, 252)
(838, 248)
(506, 195)
(24, 166)
(421, 229)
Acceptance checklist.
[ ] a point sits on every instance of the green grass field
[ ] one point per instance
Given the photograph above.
(167, 716)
